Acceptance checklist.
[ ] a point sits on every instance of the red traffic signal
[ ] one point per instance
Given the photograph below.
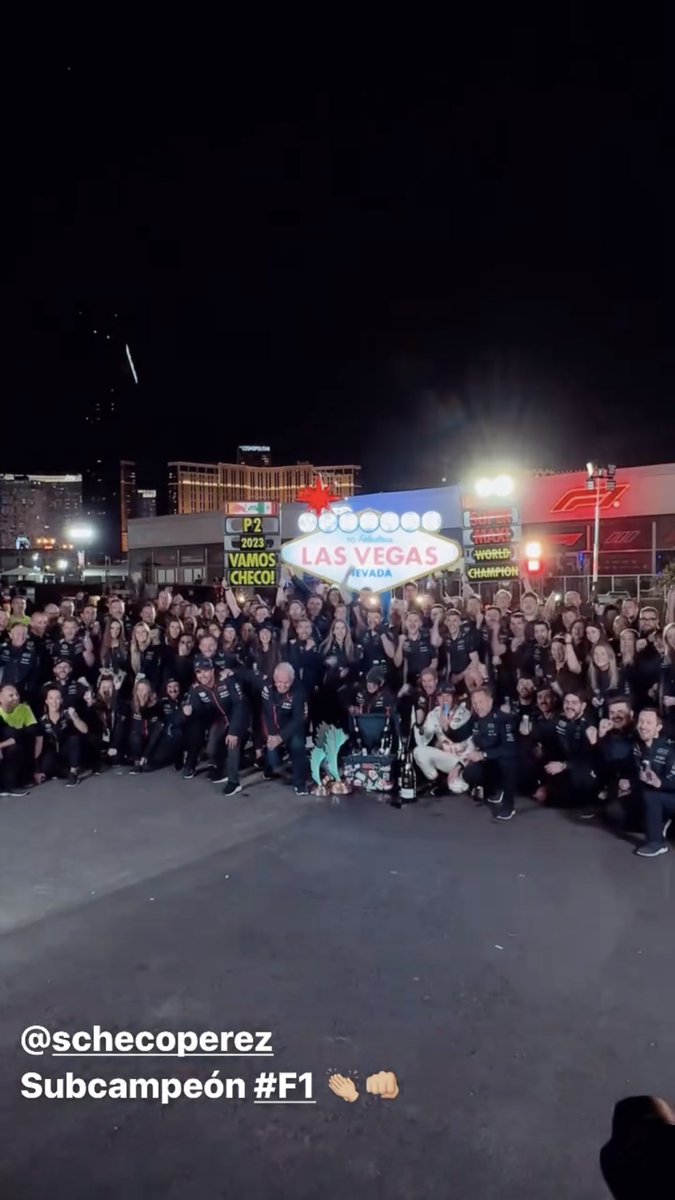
(533, 558)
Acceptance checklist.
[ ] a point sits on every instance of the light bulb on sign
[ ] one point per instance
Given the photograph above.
(307, 522)
(431, 522)
(389, 522)
(410, 522)
(328, 522)
(348, 521)
(369, 521)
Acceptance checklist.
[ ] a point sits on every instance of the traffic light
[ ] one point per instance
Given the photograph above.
(533, 558)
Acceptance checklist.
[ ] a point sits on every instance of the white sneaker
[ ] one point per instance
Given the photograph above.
(458, 786)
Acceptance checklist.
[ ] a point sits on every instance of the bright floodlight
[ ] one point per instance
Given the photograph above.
(81, 533)
(483, 487)
(62, 565)
(503, 485)
(533, 550)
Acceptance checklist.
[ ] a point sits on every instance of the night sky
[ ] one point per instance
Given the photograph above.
(407, 256)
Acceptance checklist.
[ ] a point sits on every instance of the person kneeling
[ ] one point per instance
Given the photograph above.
(284, 712)
(655, 758)
(492, 764)
(59, 744)
(443, 742)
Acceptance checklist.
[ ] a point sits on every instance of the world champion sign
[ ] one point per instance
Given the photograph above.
(370, 549)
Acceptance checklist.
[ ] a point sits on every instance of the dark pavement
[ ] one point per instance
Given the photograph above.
(518, 979)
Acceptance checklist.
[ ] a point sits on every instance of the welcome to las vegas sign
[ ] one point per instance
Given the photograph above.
(370, 549)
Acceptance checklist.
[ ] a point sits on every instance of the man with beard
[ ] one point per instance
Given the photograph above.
(570, 777)
(617, 774)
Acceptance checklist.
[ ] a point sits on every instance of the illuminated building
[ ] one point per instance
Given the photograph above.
(36, 507)
(208, 487)
(127, 499)
(254, 456)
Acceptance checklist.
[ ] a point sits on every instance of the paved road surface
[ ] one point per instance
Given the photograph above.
(518, 979)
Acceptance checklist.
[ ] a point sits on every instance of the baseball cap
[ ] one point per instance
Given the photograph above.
(446, 687)
(202, 663)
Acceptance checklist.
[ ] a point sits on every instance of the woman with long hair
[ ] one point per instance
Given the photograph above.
(563, 678)
(115, 648)
(266, 655)
(146, 723)
(145, 655)
(603, 678)
(108, 720)
(173, 631)
(179, 663)
(627, 648)
(339, 659)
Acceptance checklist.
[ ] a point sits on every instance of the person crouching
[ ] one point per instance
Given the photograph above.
(60, 741)
(444, 742)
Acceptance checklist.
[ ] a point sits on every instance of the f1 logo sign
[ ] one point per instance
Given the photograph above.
(622, 537)
(579, 497)
(565, 539)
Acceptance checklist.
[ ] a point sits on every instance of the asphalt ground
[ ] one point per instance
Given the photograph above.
(518, 978)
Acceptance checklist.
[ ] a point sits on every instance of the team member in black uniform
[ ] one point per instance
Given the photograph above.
(72, 690)
(20, 663)
(37, 639)
(492, 762)
(217, 713)
(458, 643)
(655, 763)
(74, 647)
(373, 695)
(145, 655)
(284, 715)
(616, 768)
(371, 644)
(60, 741)
(145, 725)
(540, 654)
(108, 722)
(571, 776)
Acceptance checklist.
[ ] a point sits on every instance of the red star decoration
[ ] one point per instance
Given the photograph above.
(318, 497)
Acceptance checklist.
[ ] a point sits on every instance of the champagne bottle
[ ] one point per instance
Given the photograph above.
(387, 739)
(356, 734)
(408, 782)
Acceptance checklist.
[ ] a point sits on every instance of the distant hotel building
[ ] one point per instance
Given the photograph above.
(134, 501)
(207, 487)
(254, 456)
(38, 507)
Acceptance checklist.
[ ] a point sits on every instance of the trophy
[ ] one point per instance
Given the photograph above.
(330, 741)
(316, 760)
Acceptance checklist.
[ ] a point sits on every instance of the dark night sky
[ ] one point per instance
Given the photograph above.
(400, 257)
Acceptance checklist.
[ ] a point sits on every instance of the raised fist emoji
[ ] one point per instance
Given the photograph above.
(343, 1087)
(383, 1084)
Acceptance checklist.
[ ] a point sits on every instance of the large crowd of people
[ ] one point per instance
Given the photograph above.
(572, 706)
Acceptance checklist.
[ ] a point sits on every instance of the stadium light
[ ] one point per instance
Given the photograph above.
(501, 485)
(82, 533)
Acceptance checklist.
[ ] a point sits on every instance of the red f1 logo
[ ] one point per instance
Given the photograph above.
(579, 497)
(565, 539)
